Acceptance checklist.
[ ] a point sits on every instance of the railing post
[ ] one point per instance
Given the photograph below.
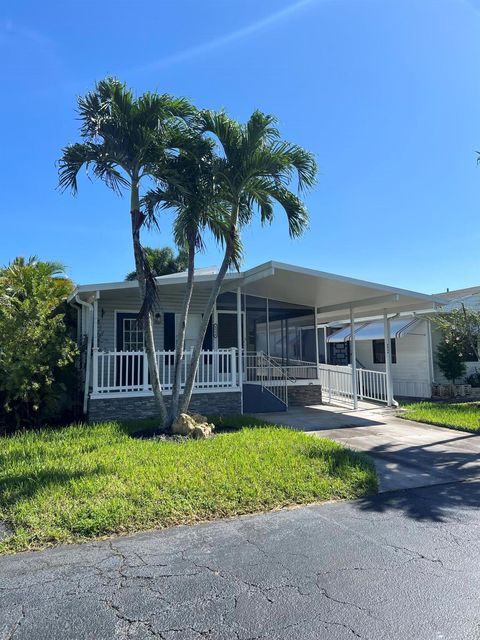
(360, 382)
(329, 385)
(95, 370)
(233, 367)
(145, 372)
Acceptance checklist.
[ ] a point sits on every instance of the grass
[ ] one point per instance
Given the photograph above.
(455, 415)
(83, 481)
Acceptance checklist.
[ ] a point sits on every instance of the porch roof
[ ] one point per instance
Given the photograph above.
(333, 295)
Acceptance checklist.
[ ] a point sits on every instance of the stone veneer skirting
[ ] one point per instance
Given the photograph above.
(137, 407)
(304, 395)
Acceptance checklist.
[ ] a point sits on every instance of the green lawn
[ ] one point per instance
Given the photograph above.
(458, 415)
(83, 481)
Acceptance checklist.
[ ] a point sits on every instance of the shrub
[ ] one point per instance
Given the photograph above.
(36, 352)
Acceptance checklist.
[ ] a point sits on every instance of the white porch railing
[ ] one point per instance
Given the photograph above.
(372, 385)
(127, 371)
(337, 384)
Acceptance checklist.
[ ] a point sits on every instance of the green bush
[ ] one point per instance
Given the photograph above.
(36, 352)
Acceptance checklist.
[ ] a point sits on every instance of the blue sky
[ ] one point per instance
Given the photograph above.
(386, 93)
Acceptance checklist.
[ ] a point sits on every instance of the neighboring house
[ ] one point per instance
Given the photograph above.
(260, 352)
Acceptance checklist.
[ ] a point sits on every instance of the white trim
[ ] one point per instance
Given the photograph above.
(174, 278)
(166, 392)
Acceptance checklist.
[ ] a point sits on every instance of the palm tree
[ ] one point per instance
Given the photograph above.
(163, 262)
(189, 188)
(124, 140)
(254, 169)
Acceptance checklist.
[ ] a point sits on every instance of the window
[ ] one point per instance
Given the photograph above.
(132, 335)
(379, 351)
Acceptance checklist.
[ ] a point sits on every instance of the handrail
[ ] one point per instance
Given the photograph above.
(271, 360)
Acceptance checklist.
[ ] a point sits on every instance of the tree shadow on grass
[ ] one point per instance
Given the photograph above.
(17, 487)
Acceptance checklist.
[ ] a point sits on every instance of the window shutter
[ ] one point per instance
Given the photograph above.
(169, 332)
(208, 339)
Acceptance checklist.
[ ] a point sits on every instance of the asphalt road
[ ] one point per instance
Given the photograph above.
(400, 565)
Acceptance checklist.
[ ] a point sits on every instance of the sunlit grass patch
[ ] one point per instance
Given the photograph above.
(83, 481)
(455, 415)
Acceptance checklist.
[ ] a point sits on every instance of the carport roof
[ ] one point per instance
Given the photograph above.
(333, 295)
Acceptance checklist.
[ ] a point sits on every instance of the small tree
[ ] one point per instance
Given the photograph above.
(35, 348)
(461, 326)
(449, 358)
(163, 262)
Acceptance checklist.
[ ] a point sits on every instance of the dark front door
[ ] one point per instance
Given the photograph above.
(130, 340)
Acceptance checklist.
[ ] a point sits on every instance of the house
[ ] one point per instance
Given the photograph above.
(261, 351)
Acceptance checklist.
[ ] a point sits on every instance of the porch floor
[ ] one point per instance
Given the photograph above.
(407, 454)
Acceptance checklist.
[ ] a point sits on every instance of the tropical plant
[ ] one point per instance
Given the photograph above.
(189, 188)
(163, 262)
(125, 139)
(450, 359)
(461, 326)
(35, 348)
(253, 170)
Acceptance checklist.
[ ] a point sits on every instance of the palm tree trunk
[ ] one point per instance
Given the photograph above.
(179, 346)
(192, 372)
(137, 220)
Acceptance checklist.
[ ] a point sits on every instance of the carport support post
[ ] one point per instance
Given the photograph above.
(388, 357)
(240, 345)
(315, 324)
(353, 357)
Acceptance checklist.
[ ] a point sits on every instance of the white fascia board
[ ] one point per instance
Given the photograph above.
(163, 280)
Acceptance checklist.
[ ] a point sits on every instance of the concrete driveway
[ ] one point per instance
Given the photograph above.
(400, 565)
(407, 454)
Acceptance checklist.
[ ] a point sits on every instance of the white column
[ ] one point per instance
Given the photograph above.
(431, 374)
(353, 357)
(268, 328)
(239, 343)
(315, 327)
(388, 357)
(325, 342)
(95, 344)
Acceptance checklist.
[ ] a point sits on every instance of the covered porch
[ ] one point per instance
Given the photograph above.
(268, 330)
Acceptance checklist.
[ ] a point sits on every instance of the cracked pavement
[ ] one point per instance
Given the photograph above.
(398, 565)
